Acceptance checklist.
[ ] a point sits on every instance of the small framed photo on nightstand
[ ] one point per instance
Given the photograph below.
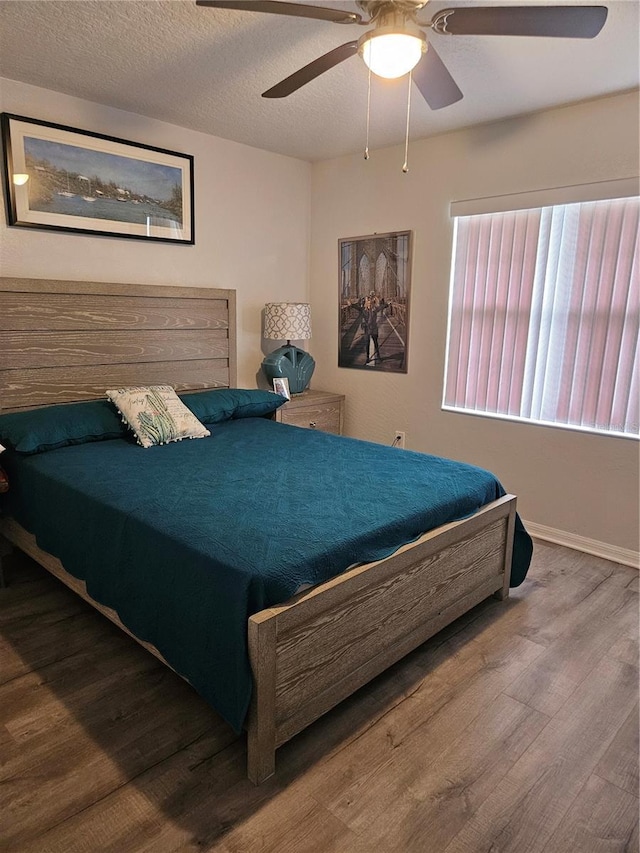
(281, 386)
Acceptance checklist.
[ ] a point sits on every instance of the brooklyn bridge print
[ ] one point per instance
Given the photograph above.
(375, 281)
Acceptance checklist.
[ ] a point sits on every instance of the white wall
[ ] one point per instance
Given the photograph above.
(575, 482)
(252, 213)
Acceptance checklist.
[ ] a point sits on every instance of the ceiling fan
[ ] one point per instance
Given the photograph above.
(396, 44)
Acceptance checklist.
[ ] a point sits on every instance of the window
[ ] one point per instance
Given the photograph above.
(544, 315)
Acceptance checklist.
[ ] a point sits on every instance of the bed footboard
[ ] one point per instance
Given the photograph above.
(314, 651)
(320, 647)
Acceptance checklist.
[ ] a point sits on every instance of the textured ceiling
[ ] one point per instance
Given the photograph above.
(205, 69)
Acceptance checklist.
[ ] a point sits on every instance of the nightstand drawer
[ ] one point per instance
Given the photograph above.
(314, 410)
(326, 418)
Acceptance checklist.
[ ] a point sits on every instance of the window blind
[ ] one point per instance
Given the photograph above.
(544, 315)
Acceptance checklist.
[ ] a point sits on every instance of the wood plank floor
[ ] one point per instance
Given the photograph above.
(516, 729)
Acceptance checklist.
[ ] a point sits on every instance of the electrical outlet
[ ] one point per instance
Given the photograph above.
(398, 438)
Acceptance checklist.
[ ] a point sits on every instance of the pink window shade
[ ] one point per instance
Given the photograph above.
(544, 315)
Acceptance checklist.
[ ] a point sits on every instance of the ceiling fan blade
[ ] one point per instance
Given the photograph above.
(274, 7)
(436, 85)
(312, 70)
(582, 22)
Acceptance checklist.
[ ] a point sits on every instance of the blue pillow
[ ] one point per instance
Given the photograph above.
(39, 430)
(217, 405)
(255, 404)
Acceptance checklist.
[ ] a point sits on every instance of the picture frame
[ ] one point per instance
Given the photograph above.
(65, 179)
(281, 386)
(373, 301)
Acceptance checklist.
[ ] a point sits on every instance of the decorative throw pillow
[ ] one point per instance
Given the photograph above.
(156, 415)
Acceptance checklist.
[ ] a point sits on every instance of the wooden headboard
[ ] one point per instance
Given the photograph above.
(68, 341)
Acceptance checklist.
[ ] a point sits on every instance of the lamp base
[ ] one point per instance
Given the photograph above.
(290, 363)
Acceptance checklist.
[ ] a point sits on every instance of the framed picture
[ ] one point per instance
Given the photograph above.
(374, 289)
(73, 180)
(281, 386)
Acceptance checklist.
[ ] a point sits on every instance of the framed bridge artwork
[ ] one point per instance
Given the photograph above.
(375, 284)
(58, 177)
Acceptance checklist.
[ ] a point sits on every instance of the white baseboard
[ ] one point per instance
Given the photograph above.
(581, 543)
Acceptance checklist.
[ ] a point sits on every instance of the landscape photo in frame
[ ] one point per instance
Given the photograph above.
(57, 177)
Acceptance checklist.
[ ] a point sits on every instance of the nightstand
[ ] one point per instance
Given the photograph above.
(314, 410)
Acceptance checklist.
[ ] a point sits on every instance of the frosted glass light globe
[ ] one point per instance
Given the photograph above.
(392, 55)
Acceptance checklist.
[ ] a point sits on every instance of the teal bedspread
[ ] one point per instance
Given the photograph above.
(187, 540)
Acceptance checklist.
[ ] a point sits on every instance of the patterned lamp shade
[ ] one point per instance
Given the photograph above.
(287, 321)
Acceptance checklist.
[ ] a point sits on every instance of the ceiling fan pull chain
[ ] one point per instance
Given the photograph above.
(405, 167)
(366, 148)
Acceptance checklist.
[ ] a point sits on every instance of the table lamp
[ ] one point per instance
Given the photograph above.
(288, 321)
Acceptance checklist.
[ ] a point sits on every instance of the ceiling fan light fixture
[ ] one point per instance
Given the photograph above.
(392, 54)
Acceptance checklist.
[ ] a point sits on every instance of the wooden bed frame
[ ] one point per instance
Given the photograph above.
(68, 341)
